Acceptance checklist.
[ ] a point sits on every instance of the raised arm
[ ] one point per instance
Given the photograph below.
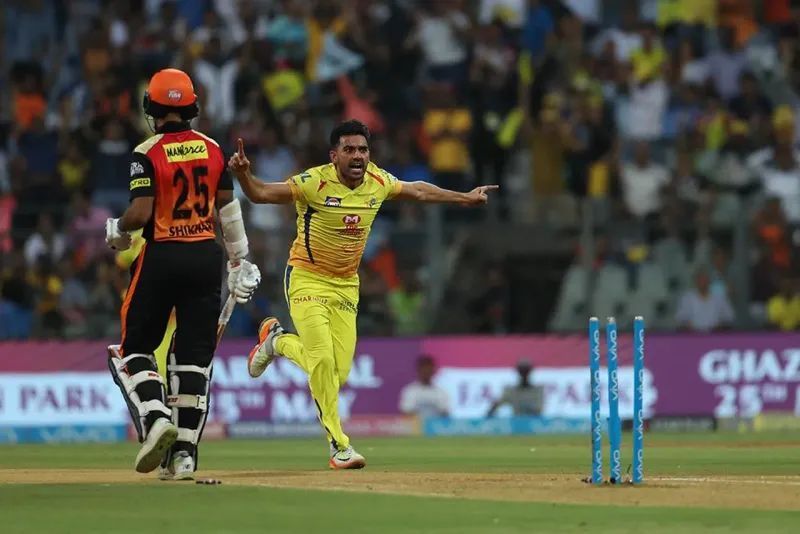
(256, 190)
(425, 192)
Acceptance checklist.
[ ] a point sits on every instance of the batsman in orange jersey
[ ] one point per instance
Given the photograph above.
(336, 204)
(179, 189)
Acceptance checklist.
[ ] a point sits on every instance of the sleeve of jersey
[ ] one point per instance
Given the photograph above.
(142, 176)
(302, 186)
(225, 180)
(392, 185)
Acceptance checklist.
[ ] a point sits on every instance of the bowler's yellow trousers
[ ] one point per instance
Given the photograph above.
(324, 311)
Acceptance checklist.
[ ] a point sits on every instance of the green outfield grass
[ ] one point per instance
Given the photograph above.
(181, 507)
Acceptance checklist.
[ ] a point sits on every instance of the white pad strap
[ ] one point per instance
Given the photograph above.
(233, 233)
(205, 371)
(148, 357)
(128, 383)
(199, 402)
(187, 434)
(154, 406)
(142, 376)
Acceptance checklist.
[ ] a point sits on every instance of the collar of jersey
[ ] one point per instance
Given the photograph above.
(173, 127)
(335, 178)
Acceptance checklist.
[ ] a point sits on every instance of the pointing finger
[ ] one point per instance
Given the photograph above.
(240, 147)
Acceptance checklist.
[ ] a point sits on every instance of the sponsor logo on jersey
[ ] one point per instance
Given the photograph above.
(140, 182)
(186, 151)
(136, 168)
(309, 298)
(333, 202)
(351, 227)
(346, 305)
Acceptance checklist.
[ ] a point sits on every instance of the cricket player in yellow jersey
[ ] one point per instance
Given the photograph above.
(336, 205)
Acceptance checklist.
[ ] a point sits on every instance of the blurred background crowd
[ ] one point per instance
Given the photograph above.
(646, 152)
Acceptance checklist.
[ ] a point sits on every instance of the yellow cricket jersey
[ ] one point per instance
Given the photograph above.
(333, 221)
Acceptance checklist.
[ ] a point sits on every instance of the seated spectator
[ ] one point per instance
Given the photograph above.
(773, 235)
(48, 286)
(447, 125)
(422, 397)
(103, 305)
(489, 309)
(721, 273)
(525, 398)
(442, 33)
(373, 311)
(46, 241)
(39, 148)
(777, 167)
(727, 168)
(406, 303)
(726, 64)
(73, 301)
(110, 167)
(701, 310)
(86, 232)
(648, 99)
(783, 310)
(649, 59)
(16, 298)
(214, 76)
(73, 167)
(750, 104)
(287, 32)
(642, 182)
(29, 101)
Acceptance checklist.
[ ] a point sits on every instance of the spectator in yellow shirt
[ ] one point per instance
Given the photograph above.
(447, 125)
(783, 310)
(648, 61)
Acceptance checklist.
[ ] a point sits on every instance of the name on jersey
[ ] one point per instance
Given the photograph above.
(140, 182)
(187, 230)
(186, 151)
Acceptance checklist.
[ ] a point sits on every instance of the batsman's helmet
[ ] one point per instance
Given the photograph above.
(170, 91)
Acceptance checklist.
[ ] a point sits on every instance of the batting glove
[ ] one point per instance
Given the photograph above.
(243, 279)
(116, 238)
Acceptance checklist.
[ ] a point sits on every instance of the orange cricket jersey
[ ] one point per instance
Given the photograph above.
(182, 169)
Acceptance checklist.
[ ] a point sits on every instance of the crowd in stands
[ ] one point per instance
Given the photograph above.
(675, 119)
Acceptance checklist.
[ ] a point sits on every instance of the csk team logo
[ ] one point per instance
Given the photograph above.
(333, 202)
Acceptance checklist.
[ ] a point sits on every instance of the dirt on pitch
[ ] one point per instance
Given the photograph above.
(751, 492)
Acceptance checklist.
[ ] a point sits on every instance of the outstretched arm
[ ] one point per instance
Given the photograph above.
(256, 190)
(425, 192)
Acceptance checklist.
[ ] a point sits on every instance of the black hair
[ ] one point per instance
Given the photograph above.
(425, 360)
(159, 111)
(351, 127)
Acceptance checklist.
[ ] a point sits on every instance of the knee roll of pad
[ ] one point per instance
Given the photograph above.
(128, 373)
(189, 387)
